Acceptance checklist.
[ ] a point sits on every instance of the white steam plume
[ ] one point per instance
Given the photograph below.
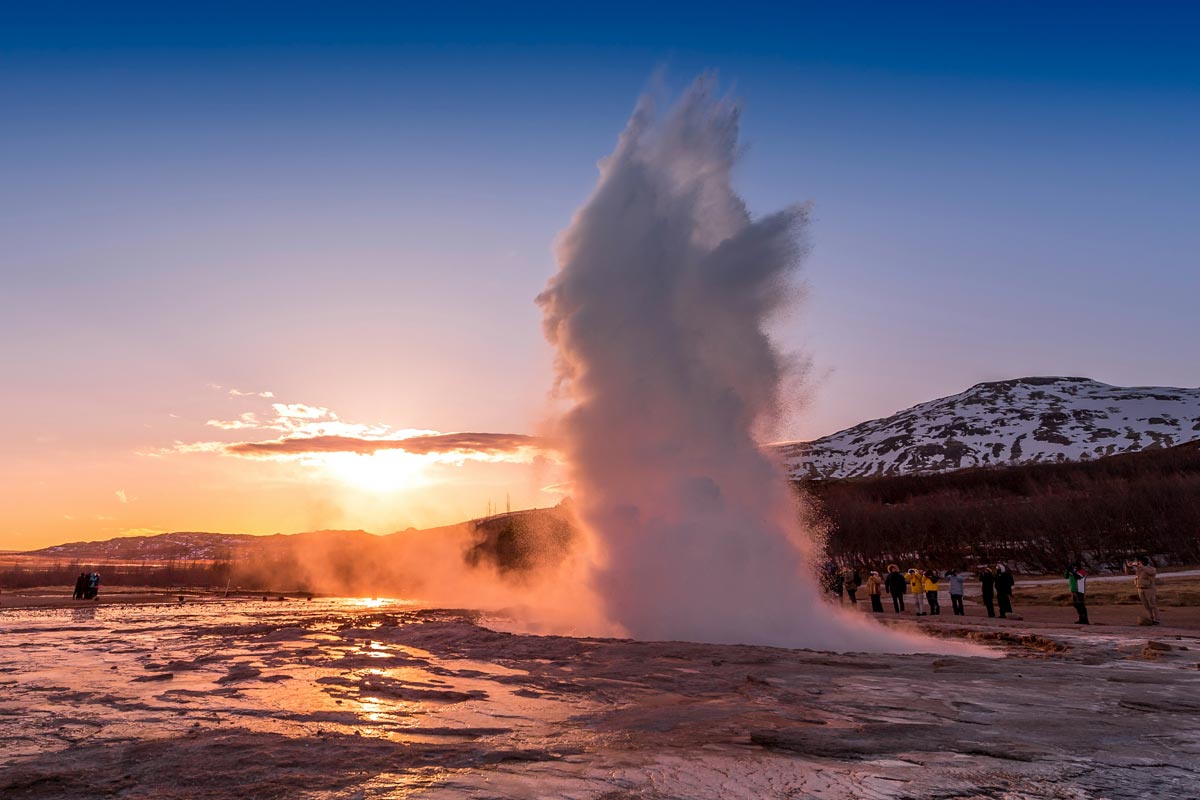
(658, 313)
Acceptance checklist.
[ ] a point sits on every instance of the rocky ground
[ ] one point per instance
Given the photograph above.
(346, 699)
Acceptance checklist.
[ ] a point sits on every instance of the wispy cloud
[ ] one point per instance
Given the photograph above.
(238, 392)
(301, 419)
(246, 420)
(302, 431)
(120, 493)
(457, 445)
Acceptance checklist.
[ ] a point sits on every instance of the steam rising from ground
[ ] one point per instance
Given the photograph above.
(658, 313)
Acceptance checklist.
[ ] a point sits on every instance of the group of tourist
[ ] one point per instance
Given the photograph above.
(1145, 580)
(87, 586)
(922, 586)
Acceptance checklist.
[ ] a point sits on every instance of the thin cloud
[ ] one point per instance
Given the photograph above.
(302, 431)
(247, 420)
(464, 445)
(302, 419)
(302, 411)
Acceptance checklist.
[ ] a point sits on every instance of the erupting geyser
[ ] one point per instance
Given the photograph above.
(657, 312)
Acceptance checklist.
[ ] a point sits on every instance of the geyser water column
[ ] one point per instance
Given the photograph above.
(657, 312)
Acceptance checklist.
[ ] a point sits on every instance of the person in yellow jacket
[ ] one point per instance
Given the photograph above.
(916, 587)
(931, 591)
(874, 591)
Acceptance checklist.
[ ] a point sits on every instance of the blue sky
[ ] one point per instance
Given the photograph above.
(352, 205)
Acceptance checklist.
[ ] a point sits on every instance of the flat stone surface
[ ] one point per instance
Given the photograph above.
(331, 699)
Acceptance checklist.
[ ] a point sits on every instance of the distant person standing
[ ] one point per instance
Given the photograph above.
(832, 581)
(93, 586)
(955, 579)
(1145, 579)
(874, 589)
(1004, 589)
(851, 579)
(987, 587)
(81, 585)
(931, 592)
(896, 586)
(916, 587)
(1077, 582)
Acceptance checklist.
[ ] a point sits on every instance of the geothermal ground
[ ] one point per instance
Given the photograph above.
(345, 699)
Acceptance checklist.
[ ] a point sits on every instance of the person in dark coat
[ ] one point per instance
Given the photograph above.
(80, 586)
(852, 580)
(987, 583)
(896, 586)
(839, 587)
(1004, 589)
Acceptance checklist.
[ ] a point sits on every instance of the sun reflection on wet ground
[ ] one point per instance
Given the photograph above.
(295, 670)
(372, 602)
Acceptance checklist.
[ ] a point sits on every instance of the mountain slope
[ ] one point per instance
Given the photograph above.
(484, 539)
(1021, 421)
(192, 546)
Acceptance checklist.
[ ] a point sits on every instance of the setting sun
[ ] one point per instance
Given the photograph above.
(386, 471)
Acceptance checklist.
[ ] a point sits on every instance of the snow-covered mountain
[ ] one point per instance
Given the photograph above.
(1021, 421)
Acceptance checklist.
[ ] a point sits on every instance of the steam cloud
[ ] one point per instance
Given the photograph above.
(657, 312)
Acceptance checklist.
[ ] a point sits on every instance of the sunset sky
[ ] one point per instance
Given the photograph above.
(224, 227)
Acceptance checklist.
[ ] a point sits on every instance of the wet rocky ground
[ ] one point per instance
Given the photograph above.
(346, 699)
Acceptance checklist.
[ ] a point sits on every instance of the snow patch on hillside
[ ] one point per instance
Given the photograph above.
(1021, 421)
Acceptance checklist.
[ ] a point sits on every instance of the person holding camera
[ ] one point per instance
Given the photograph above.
(1076, 577)
(987, 589)
(916, 587)
(1145, 580)
(1004, 589)
(956, 592)
(874, 590)
(931, 591)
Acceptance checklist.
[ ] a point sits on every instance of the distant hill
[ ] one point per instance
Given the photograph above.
(1004, 423)
(334, 559)
(189, 546)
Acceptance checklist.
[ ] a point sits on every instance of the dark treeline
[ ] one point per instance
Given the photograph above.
(1036, 517)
